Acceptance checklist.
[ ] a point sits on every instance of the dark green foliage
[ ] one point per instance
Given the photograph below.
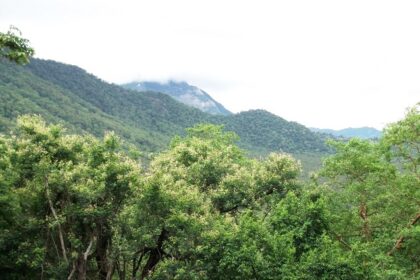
(261, 129)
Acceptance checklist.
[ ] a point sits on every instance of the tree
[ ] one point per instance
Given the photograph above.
(374, 196)
(75, 207)
(15, 48)
(402, 143)
(202, 203)
(66, 193)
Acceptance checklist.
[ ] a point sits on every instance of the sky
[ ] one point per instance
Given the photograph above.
(326, 64)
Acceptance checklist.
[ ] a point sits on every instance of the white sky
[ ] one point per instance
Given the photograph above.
(327, 64)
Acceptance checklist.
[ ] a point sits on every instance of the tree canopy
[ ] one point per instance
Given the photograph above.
(75, 207)
(15, 48)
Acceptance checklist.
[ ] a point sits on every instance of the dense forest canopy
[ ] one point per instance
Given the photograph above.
(78, 207)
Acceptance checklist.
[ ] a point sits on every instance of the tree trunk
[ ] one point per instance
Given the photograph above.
(155, 255)
(60, 231)
(102, 247)
(81, 268)
(80, 265)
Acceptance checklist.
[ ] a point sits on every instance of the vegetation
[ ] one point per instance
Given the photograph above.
(15, 48)
(75, 207)
(68, 95)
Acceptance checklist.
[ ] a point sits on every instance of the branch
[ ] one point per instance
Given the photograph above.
(341, 240)
(229, 209)
(60, 231)
(400, 240)
(72, 272)
(137, 263)
(87, 252)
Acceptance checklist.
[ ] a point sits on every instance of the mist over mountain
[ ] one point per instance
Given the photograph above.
(360, 132)
(184, 93)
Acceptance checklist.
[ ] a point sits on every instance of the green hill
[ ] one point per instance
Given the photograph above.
(260, 129)
(83, 103)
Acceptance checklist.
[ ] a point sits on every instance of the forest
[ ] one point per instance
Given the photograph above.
(78, 207)
(74, 205)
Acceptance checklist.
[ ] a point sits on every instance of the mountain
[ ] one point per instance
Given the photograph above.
(360, 132)
(82, 103)
(184, 93)
(264, 130)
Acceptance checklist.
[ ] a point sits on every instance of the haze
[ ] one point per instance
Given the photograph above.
(326, 64)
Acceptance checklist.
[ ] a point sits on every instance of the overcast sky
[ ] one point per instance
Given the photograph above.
(327, 64)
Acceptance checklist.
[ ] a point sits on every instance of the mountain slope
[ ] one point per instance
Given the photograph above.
(360, 132)
(83, 103)
(265, 130)
(184, 93)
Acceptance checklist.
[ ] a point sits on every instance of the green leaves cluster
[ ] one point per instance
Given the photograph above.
(15, 48)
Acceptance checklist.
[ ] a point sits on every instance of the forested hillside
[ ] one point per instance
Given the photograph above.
(82, 102)
(262, 129)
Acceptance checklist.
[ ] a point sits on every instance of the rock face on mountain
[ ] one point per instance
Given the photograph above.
(184, 93)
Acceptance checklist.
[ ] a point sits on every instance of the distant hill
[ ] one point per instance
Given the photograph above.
(360, 132)
(85, 104)
(262, 129)
(184, 93)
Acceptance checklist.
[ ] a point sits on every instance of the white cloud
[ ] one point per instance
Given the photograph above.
(321, 63)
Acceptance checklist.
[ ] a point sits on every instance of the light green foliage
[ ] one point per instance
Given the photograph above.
(15, 48)
(207, 159)
(375, 198)
(191, 195)
(70, 189)
(278, 174)
(362, 177)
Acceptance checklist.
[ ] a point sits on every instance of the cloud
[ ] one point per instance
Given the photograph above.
(321, 63)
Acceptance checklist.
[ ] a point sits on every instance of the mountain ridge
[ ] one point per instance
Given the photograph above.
(360, 132)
